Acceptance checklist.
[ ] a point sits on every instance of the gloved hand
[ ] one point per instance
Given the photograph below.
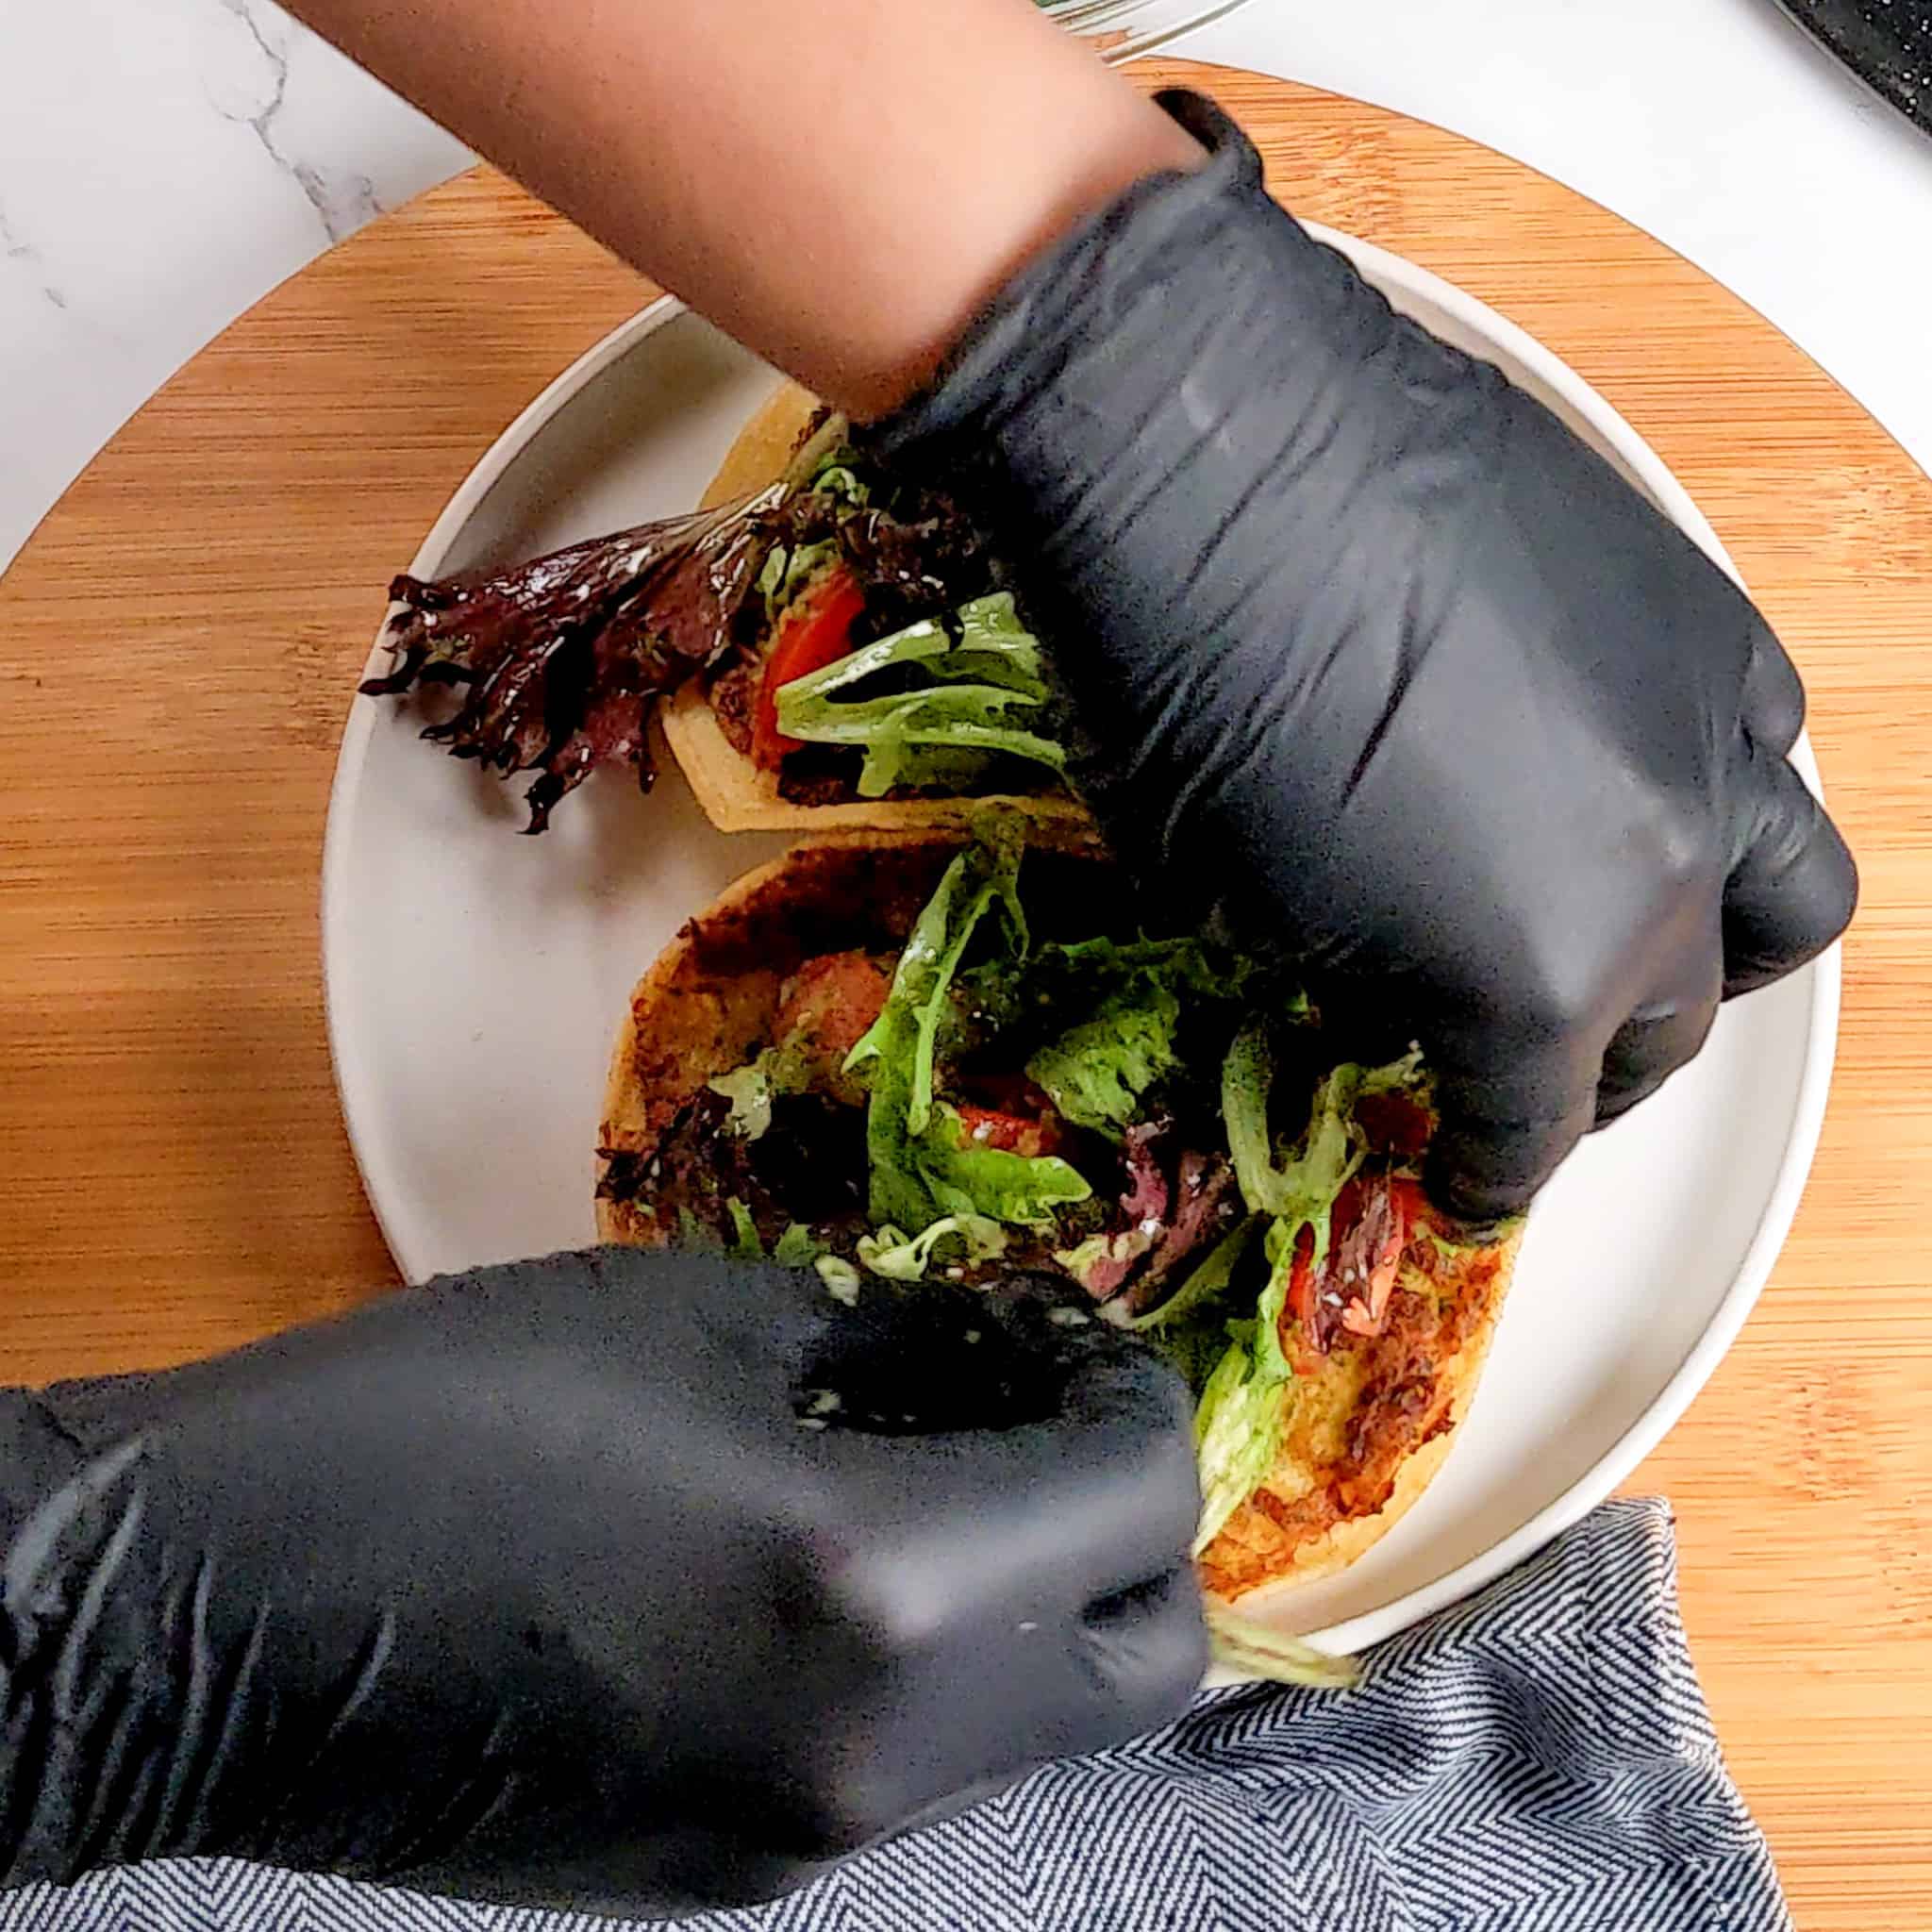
(1381, 660)
(565, 1583)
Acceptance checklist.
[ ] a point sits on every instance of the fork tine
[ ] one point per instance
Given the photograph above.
(1160, 34)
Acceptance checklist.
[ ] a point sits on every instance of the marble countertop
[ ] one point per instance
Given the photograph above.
(163, 165)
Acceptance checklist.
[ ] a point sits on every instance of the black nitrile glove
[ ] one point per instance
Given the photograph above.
(565, 1583)
(1380, 659)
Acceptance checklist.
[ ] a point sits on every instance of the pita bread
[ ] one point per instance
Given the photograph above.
(764, 445)
(707, 1004)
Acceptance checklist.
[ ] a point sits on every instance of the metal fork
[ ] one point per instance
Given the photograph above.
(1099, 16)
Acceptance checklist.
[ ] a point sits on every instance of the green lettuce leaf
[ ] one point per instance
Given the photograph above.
(1279, 1244)
(826, 466)
(1257, 1651)
(1332, 1146)
(960, 687)
(966, 714)
(1246, 1076)
(744, 1244)
(797, 1247)
(983, 643)
(749, 1090)
(967, 1177)
(789, 571)
(1203, 1289)
(840, 1278)
(922, 1166)
(1239, 1422)
(784, 1067)
(837, 478)
(984, 875)
(892, 765)
(901, 1195)
(1182, 963)
(925, 756)
(1237, 1429)
(898, 1258)
(1097, 1073)
(1132, 997)
(1302, 1185)
(1192, 1326)
(901, 736)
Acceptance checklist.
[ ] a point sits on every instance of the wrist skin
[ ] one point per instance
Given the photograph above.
(840, 186)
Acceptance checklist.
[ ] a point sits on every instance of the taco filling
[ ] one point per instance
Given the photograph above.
(882, 660)
(970, 1065)
(845, 626)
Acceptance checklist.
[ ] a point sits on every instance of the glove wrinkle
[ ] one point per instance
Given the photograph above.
(527, 1585)
(1378, 661)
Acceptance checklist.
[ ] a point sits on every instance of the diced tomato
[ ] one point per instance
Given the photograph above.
(1300, 1310)
(814, 632)
(1011, 1093)
(1012, 1133)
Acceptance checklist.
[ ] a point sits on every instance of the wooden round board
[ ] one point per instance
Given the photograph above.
(179, 643)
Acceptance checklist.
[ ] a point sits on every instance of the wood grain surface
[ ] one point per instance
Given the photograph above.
(178, 645)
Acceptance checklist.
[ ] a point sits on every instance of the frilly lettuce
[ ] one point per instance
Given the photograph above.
(784, 1067)
(956, 691)
(1236, 1427)
(787, 572)
(749, 1090)
(1101, 1070)
(797, 1247)
(922, 1166)
(984, 875)
(902, 1257)
(1300, 1185)
(744, 1244)
(967, 1177)
(1295, 1188)
(1192, 1326)
(1098, 1071)
(1119, 1010)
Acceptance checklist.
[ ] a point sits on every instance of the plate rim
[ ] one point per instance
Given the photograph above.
(1675, 1397)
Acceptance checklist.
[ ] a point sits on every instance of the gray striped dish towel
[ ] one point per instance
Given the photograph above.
(1537, 1759)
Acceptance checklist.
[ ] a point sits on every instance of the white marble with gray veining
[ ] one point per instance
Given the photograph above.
(164, 162)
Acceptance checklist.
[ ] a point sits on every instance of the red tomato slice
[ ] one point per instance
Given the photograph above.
(1299, 1309)
(816, 631)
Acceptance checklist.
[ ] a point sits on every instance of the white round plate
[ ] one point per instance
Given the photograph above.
(476, 979)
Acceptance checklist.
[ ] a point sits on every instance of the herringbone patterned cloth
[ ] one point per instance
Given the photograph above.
(1537, 1759)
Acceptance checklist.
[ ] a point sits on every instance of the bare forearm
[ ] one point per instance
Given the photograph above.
(839, 183)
